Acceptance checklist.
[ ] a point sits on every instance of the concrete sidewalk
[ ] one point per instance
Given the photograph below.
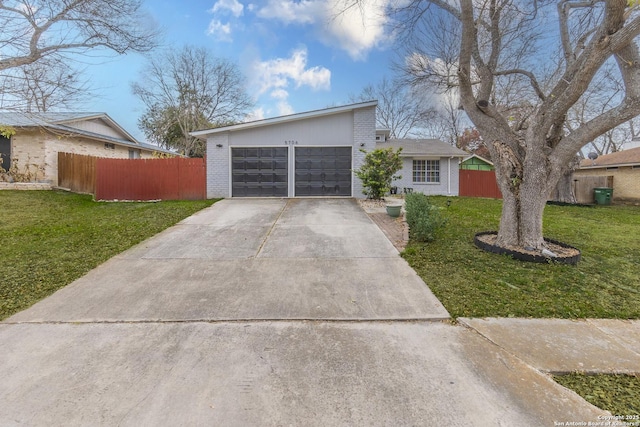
(561, 346)
(264, 312)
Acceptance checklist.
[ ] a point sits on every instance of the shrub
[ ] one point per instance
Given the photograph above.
(379, 169)
(424, 219)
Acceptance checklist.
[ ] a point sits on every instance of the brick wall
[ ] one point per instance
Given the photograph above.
(626, 181)
(218, 166)
(41, 148)
(364, 132)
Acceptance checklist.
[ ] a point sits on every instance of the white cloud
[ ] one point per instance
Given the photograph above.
(279, 94)
(281, 72)
(284, 109)
(219, 30)
(289, 11)
(356, 30)
(277, 77)
(257, 114)
(232, 6)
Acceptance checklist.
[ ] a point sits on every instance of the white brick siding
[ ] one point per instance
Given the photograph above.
(218, 159)
(344, 128)
(364, 132)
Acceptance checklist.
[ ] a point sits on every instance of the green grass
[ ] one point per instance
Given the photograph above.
(618, 394)
(49, 238)
(473, 283)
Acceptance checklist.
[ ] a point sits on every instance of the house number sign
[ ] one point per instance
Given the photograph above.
(291, 142)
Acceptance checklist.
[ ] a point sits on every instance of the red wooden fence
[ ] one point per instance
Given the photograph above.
(479, 184)
(150, 179)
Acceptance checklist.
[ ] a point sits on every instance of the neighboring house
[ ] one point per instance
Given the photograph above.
(39, 137)
(476, 163)
(623, 166)
(429, 166)
(300, 155)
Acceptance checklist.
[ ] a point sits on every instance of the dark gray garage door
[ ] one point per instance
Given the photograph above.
(259, 172)
(323, 171)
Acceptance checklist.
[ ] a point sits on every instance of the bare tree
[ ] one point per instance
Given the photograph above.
(40, 39)
(186, 90)
(506, 42)
(43, 85)
(404, 113)
(36, 29)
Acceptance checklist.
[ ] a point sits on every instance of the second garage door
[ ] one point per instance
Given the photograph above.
(323, 171)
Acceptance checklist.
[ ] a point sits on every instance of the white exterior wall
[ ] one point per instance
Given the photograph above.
(350, 128)
(218, 164)
(449, 184)
(364, 132)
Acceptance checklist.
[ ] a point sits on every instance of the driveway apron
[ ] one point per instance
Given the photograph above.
(252, 259)
(263, 312)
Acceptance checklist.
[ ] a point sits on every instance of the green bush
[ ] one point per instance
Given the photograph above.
(379, 169)
(424, 219)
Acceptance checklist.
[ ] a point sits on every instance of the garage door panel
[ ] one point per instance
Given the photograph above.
(259, 172)
(323, 171)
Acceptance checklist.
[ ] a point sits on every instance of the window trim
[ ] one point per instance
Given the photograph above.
(426, 171)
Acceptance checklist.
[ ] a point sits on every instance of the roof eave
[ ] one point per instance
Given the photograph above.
(202, 134)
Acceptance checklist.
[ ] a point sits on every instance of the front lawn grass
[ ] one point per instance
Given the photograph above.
(51, 238)
(473, 283)
(618, 394)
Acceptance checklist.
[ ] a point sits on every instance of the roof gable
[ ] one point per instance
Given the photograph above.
(480, 159)
(91, 125)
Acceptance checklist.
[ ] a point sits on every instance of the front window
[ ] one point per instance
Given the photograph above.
(426, 171)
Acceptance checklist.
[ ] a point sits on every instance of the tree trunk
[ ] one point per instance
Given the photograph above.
(525, 180)
(522, 208)
(565, 191)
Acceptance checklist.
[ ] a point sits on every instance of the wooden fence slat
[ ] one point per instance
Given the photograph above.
(474, 183)
(77, 172)
(151, 179)
(133, 179)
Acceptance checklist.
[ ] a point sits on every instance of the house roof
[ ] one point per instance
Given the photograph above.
(423, 147)
(63, 122)
(202, 134)
(629, 157)
(489, 162)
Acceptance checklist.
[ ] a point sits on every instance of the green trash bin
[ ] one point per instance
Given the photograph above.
(603, 195)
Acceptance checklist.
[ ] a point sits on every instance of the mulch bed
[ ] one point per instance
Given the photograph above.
(565, 254)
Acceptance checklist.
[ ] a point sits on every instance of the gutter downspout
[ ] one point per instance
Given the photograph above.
(449, 180)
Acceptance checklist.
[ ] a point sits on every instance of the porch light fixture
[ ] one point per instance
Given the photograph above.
(219, 145)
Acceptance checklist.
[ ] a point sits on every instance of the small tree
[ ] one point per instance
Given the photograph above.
(188, 89)
(379, 169)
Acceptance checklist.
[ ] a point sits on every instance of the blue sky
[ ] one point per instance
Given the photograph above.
(296, 55)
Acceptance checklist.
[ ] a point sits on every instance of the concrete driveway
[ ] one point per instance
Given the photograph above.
(263, 312)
